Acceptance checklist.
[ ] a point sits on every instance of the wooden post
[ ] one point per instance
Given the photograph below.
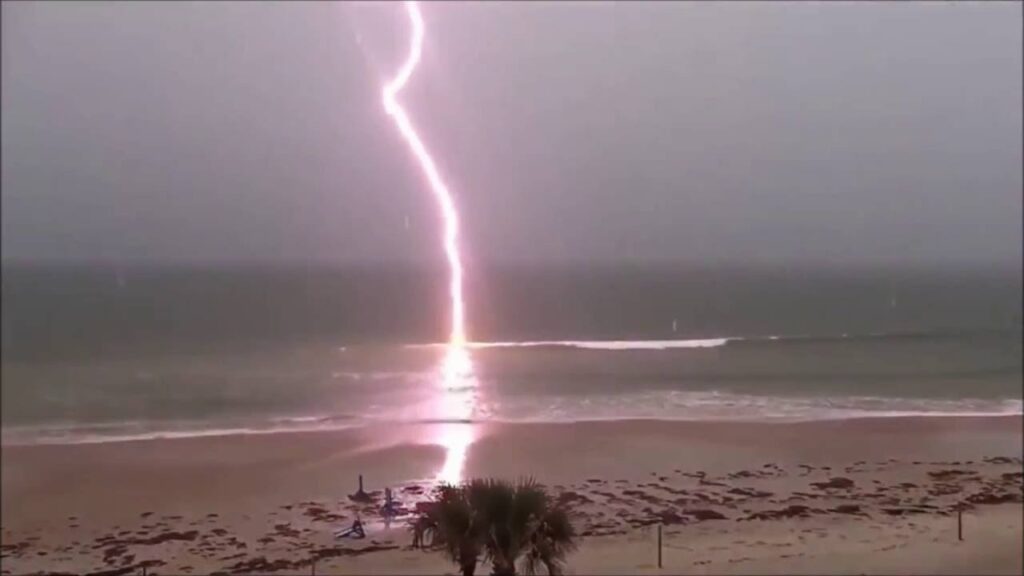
(659, 545)
(143, 571)
(360, 484)
(960, 524)
(312, 568)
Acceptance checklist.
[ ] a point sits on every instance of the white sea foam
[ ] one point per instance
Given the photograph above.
(723, 406)
(596, 344)
(129, 432)
(672, 405)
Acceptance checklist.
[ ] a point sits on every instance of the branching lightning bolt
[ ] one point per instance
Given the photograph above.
(449, 214)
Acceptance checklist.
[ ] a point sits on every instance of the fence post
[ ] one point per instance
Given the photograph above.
(960, 523)
(659, 545)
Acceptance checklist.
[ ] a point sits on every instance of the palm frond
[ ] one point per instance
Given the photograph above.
(503, 521)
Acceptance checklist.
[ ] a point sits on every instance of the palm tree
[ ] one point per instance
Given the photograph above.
(503, 521)
(450, 522)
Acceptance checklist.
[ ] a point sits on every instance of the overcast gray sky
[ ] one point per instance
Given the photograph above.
(699, 132)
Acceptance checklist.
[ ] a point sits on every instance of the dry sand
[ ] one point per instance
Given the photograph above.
(855, 496)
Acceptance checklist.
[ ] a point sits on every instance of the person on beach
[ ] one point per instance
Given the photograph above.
(355, 531)
(390, 509)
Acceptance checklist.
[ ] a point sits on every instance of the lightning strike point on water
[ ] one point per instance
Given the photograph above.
(449, 214)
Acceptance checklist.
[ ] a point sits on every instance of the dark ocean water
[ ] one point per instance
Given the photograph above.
(94, 352)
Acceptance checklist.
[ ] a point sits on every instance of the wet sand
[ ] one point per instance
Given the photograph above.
(854, 496)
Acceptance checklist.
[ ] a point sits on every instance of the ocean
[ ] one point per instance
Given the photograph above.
(109, 352)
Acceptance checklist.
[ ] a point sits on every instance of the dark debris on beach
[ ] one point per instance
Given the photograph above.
(301, 534)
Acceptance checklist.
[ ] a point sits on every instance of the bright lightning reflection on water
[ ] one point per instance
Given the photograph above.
(457, 395)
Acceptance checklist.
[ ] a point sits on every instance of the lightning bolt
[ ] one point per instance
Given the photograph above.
(457, 336)
(456, 399)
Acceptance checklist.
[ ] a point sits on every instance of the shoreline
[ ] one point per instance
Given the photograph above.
(324, 461)
(169, 435)
(240, 499)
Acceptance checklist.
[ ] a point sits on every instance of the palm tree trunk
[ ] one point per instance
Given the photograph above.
(467, 564)
(504, 570)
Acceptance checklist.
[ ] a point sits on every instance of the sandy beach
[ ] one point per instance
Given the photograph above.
(855, 496)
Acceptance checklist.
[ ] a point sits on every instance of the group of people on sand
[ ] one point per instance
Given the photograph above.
(389, 510)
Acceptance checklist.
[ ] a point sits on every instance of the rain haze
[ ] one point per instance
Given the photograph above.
(738, 248)
(746, 133)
